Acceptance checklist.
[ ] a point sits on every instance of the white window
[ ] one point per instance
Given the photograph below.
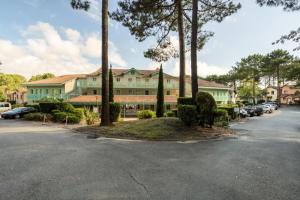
(94, 79)
(129, 79)
(168, 81)
(118, 79)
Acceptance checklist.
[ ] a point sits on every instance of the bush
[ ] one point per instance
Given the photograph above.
(206, 106)
(175, 111)
(114, 111)
(188, 114)
(145, 114)
(47, 107)
(59, 116)
(73, 119)
(78, 112)
(170, 114)
(221, 117)
(37, 117)
(185, 101)
(90, 117)
(65, 107)
(230, 111)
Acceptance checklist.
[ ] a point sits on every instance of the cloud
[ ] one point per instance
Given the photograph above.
(204, 68)
(45, 49)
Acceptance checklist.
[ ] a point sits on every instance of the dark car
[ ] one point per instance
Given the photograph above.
(17, 113)
(258, 110)
(250, 110)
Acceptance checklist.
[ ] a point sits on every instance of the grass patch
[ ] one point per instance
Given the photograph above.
(155, 129)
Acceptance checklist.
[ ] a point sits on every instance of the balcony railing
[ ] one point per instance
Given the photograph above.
(141, 85)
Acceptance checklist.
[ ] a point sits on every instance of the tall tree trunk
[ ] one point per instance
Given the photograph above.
(105, 84)
(278, 84)
(194, 49)
(181, 49)
(253, 90)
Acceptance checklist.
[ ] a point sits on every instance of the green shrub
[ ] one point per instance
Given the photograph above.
(38, 117)
(185, 101)
(175, 111)
(78, 112)
(145, 114)
(73, 119)
(114, 111)
(188, 114)
(59, 116)
(170, 114)
(47, 107)
(206, 106)
(91, 117)
(221, 117)
(230, 110)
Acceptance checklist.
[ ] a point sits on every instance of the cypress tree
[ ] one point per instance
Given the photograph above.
(111, 85)
(160, 94)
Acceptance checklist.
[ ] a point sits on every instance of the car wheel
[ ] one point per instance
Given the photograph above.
(17, 116)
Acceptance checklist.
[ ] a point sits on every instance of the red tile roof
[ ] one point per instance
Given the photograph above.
(57, 80)
(122, 99)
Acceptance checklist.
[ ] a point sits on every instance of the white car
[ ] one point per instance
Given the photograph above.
(4, 106)
(267, 108)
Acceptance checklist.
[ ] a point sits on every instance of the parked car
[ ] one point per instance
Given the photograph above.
(258, 110)
(267, 108)
(250, 110)
(4, 106)
(17, 113)
(243, 113)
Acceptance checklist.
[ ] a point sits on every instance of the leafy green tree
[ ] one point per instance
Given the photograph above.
(160, 94)
(111, 85)
(10, 83)
(204, 11)
(290, 6)
(85, 5)
(293, 72)
(249, 69)
(41, 76)
(245, 91)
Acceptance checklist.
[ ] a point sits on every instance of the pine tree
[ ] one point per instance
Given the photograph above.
(111, 85)
(159, 18)
(289, 6)
(85, 5)
(160, 94)
(204, 11)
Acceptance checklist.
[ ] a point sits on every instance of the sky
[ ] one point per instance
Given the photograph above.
(39, 36)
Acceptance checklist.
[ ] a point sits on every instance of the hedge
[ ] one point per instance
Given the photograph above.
(188, 114)
(230, 111)
(221, 117)
(145, 114)
(114, 111)
(206, 106)
(185, 101)
(37, 117)
(170, 114)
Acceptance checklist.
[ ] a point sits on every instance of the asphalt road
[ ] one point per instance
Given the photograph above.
(262, 162)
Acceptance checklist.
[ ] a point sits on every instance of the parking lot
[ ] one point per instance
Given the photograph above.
(50, 162)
